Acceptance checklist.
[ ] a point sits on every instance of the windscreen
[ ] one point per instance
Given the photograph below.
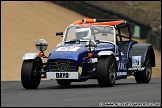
(85, 33)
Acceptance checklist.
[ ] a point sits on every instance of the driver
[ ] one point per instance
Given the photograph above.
(83, 34)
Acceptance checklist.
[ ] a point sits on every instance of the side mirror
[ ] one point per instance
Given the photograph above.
(59, 34)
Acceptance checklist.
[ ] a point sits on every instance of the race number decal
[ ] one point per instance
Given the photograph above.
(136, 61)
(71, 48)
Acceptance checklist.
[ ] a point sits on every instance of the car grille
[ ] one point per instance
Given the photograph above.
(60, 65)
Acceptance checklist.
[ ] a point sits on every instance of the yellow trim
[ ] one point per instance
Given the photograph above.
(80, 70)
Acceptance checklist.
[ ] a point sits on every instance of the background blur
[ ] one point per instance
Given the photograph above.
(144, 17)
(24, 22)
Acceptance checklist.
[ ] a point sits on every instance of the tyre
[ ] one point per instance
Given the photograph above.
(144, 76)
(63, 82)
(30, 77)
(106, 71)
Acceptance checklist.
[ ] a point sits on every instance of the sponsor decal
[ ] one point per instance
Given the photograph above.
(121, 66)
(80, 70)
(121, 73)
(71, 48)
(136, 61)
(104, 48)
(137, 68)
(62, 75)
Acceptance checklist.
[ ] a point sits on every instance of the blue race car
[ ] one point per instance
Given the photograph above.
(99, 49)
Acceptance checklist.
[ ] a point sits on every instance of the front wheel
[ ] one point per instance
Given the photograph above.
(106, 71)
(30, 73)
(144, 76)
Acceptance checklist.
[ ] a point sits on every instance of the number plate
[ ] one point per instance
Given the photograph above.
(62, 75)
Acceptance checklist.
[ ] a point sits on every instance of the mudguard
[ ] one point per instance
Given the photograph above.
(29, 56)
(140, 51)
(106, 53)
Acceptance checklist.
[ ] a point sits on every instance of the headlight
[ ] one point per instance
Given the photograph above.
(91, 45)
(41, 45)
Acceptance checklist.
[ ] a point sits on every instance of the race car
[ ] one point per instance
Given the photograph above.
(100, 49)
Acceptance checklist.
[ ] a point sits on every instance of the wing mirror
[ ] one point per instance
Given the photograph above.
(59, 34)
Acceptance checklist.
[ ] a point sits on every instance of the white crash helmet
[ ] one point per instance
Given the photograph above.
(83, 33)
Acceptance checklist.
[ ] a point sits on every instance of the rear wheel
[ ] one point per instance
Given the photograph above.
(63, 82)
(144, 76)
(30, 77)
(106, 71)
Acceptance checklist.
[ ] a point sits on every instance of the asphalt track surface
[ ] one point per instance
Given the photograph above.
(80, 94)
